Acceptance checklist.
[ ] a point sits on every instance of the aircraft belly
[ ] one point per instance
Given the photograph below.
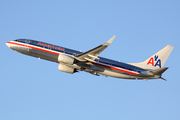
(125, 76)
(115, 74)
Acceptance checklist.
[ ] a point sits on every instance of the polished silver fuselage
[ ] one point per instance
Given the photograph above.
(102, 65)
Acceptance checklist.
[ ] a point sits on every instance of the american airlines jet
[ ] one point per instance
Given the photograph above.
(72, 61)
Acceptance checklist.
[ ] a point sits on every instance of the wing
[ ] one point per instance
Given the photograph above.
(93, 53)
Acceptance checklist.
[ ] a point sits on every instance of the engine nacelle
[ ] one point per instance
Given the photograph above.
(65, 59)
(66, 69)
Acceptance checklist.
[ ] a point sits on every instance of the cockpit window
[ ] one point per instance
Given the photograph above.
(17, 40)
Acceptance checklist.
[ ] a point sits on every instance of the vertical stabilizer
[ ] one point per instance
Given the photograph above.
(157, 60)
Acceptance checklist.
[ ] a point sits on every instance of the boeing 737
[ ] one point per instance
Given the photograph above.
(72, 61)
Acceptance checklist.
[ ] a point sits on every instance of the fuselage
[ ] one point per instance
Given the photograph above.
(102, 65)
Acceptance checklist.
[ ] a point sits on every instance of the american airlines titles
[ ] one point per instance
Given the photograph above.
(52, 46)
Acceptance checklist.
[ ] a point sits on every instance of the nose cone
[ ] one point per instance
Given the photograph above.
(8, 44)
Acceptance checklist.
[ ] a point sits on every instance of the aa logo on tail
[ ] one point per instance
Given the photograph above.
(155, 60)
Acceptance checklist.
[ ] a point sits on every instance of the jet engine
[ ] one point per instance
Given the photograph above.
(66, 59)
(67, 69)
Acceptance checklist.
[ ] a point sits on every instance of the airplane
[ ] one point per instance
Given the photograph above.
(72, 61)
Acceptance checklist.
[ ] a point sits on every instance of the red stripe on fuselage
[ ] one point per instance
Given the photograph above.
(116, 68)
(34, 48)
(58, 54)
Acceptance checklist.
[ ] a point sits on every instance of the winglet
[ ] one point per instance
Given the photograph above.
(110, 41)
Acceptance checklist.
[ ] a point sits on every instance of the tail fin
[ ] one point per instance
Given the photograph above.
(157, 60)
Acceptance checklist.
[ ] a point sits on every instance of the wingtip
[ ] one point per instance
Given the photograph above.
(110, 40)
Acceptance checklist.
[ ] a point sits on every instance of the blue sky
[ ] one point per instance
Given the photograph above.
(35, 89)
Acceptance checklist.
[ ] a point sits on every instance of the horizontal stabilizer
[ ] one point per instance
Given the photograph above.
(163, 79)
(159, 71)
